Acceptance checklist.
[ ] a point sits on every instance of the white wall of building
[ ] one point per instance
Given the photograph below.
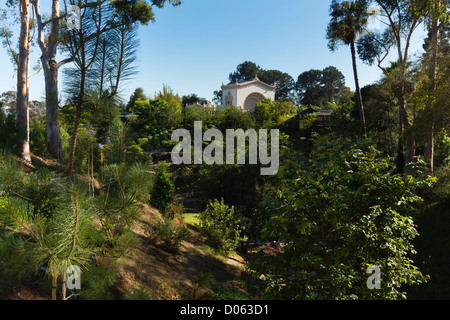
(246, 95)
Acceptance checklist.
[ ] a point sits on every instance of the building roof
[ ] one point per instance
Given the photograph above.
(248, 83)
(307, 111)
(127, 113)
(320, 112)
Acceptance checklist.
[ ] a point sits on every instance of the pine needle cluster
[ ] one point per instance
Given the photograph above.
(49, 223)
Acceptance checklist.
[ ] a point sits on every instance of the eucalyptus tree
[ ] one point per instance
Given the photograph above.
(401, 19)
(48, 47)
(438, 16)
(21, 60)
(348, 21)
(49, 32)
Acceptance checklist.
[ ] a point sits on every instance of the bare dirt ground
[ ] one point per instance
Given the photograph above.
(185, 274)
(171, 275)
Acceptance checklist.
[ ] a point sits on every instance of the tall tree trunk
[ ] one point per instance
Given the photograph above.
(405, 134)
(429, 138)
(50, 66)
(358, 90)
(22, 108)
(62, 292)
(52, 104)
(51, 79)
(400, 158)
(54, 287)
(80, 101)
(74, 142)
(429, 149)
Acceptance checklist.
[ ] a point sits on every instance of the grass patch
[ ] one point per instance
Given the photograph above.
(223, 292)
(191, 219)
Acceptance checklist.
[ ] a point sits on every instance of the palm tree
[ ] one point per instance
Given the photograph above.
(348, 19)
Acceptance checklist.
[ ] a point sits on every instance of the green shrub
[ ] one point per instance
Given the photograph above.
(442, 149)
(141, 294)
(441, 189)
(38, 137)
(169, 234)
(163, 189)
(340, 210)
(222, 292)
(174, 210)
(221, 225)
(10, 135)
(134, 153)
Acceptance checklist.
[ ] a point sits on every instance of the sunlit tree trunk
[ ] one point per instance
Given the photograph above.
(50, 66)
(22, 109)
(62, 292)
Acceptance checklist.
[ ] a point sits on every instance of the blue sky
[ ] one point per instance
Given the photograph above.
(193, 48)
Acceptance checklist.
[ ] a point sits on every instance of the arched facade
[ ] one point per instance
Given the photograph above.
(246, 95)
(251, 101)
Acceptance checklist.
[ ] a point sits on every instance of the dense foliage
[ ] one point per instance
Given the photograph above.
(340, 210)
(221, 224)
(368, 190)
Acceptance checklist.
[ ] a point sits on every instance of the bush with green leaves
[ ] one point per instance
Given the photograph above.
(232, 118)
(342, 209)
(222, 292)
(441, 190)
(162, 192)
(174, 210)
(221, 225)
(43, 186)
(38, 137)
(270, 113)
(442, 149)
(169, 234)
(219, 181)
(10, 134)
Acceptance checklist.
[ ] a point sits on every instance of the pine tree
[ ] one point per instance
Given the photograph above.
(66, 233)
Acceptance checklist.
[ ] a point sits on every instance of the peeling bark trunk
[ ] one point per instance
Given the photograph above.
(22, 108)
(51, 86)
(52, 104)
(50, 66)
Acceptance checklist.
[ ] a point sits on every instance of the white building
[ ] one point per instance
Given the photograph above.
(246, 95)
